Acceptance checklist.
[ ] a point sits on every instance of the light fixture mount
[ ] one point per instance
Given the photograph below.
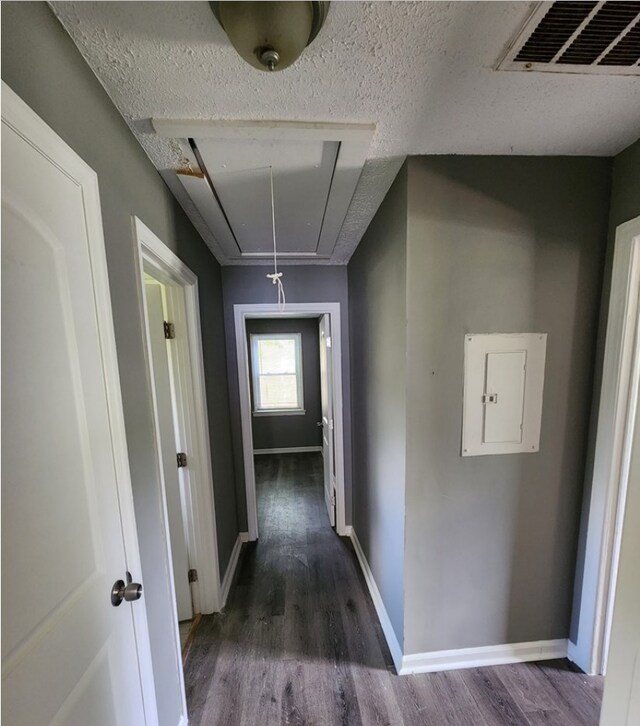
(270, 35)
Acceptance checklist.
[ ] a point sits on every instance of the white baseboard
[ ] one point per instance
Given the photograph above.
(289, 450)
(231, 570)
(244, 536)
(444, 660)
(348, 531)
(383, 616)
(489, 655)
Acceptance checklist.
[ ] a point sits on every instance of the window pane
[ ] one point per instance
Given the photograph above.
(278, 391)
(277, 355)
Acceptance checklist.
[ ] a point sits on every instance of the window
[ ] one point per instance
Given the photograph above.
(276, 365)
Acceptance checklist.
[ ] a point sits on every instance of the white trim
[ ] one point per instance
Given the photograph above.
(612, 449)
(256, 374)
(444, 660)
(195, 190)
(383, 616)
(17, 115)
(293, 310)
(244, 536)
(488, 655)
(231, 567)
(263, 130)
(288, 450)
(279, 412)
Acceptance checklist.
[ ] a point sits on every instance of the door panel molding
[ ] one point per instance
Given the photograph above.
(27, 125)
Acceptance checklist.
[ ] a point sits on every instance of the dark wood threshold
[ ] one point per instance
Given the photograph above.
(192, 632)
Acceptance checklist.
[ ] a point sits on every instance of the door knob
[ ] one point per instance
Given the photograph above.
(128, 591)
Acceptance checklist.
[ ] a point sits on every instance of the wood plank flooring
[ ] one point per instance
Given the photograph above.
(299, 641)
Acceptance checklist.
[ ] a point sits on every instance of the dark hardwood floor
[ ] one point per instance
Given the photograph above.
(299, 641)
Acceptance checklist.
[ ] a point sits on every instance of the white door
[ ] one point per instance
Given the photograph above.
(326, 390)
(68, 655)
(162, 385)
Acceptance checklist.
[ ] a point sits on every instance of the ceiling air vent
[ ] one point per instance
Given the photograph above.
(577, 37)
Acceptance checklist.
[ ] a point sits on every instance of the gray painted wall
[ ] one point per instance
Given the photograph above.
(497, 244)
(377, 313)
(281, 431)
(42, 65)
(319, 283)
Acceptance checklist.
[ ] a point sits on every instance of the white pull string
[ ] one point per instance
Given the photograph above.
(276, 277)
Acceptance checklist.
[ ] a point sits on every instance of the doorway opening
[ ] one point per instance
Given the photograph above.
(612, 458)
(290, 378)
(188, 564)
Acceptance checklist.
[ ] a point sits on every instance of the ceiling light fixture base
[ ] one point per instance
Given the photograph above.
(270, 35)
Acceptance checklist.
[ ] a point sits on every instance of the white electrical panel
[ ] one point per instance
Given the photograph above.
(503, 384)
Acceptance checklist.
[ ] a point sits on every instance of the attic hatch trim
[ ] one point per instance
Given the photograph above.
(507, 59)
(196, 191)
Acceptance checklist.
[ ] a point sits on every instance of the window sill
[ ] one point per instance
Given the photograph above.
(281, 412)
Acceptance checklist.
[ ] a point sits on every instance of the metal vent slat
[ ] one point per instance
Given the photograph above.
(595, 38)
(626, 52)
(553, 31)
(606, 25)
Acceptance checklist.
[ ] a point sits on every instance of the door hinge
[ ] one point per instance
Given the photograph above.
(193, 575)
(169, 330)
(182, 460)
(333, 498)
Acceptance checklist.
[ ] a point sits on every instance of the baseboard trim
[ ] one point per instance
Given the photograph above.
(244, 536)
(489, 655)
(231, 570)
(288, 450)
(444, 660)
(383, 616)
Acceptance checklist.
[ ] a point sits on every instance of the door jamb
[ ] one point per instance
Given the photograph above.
(293, 310)
(155, 257)
(620, 378)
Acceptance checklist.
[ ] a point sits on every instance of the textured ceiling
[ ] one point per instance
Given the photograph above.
(421, 71)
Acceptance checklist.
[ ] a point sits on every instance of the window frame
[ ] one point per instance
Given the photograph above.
(258, 410)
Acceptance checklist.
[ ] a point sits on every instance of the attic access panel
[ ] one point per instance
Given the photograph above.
(302, 172)
(316, 168)
(577, 37)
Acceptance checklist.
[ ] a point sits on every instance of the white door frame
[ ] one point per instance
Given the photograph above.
(620, 380)
(155, 258)
(293, 310)
(20, 117)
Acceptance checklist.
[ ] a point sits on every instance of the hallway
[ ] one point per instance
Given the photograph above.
(299, 641)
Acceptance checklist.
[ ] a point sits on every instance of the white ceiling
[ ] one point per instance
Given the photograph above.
(421, 71)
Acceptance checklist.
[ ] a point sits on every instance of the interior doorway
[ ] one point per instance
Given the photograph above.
(273, 385)
(613, 448)
(161, 337)
(187, 560)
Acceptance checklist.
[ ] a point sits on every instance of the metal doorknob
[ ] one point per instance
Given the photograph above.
(128, 591)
